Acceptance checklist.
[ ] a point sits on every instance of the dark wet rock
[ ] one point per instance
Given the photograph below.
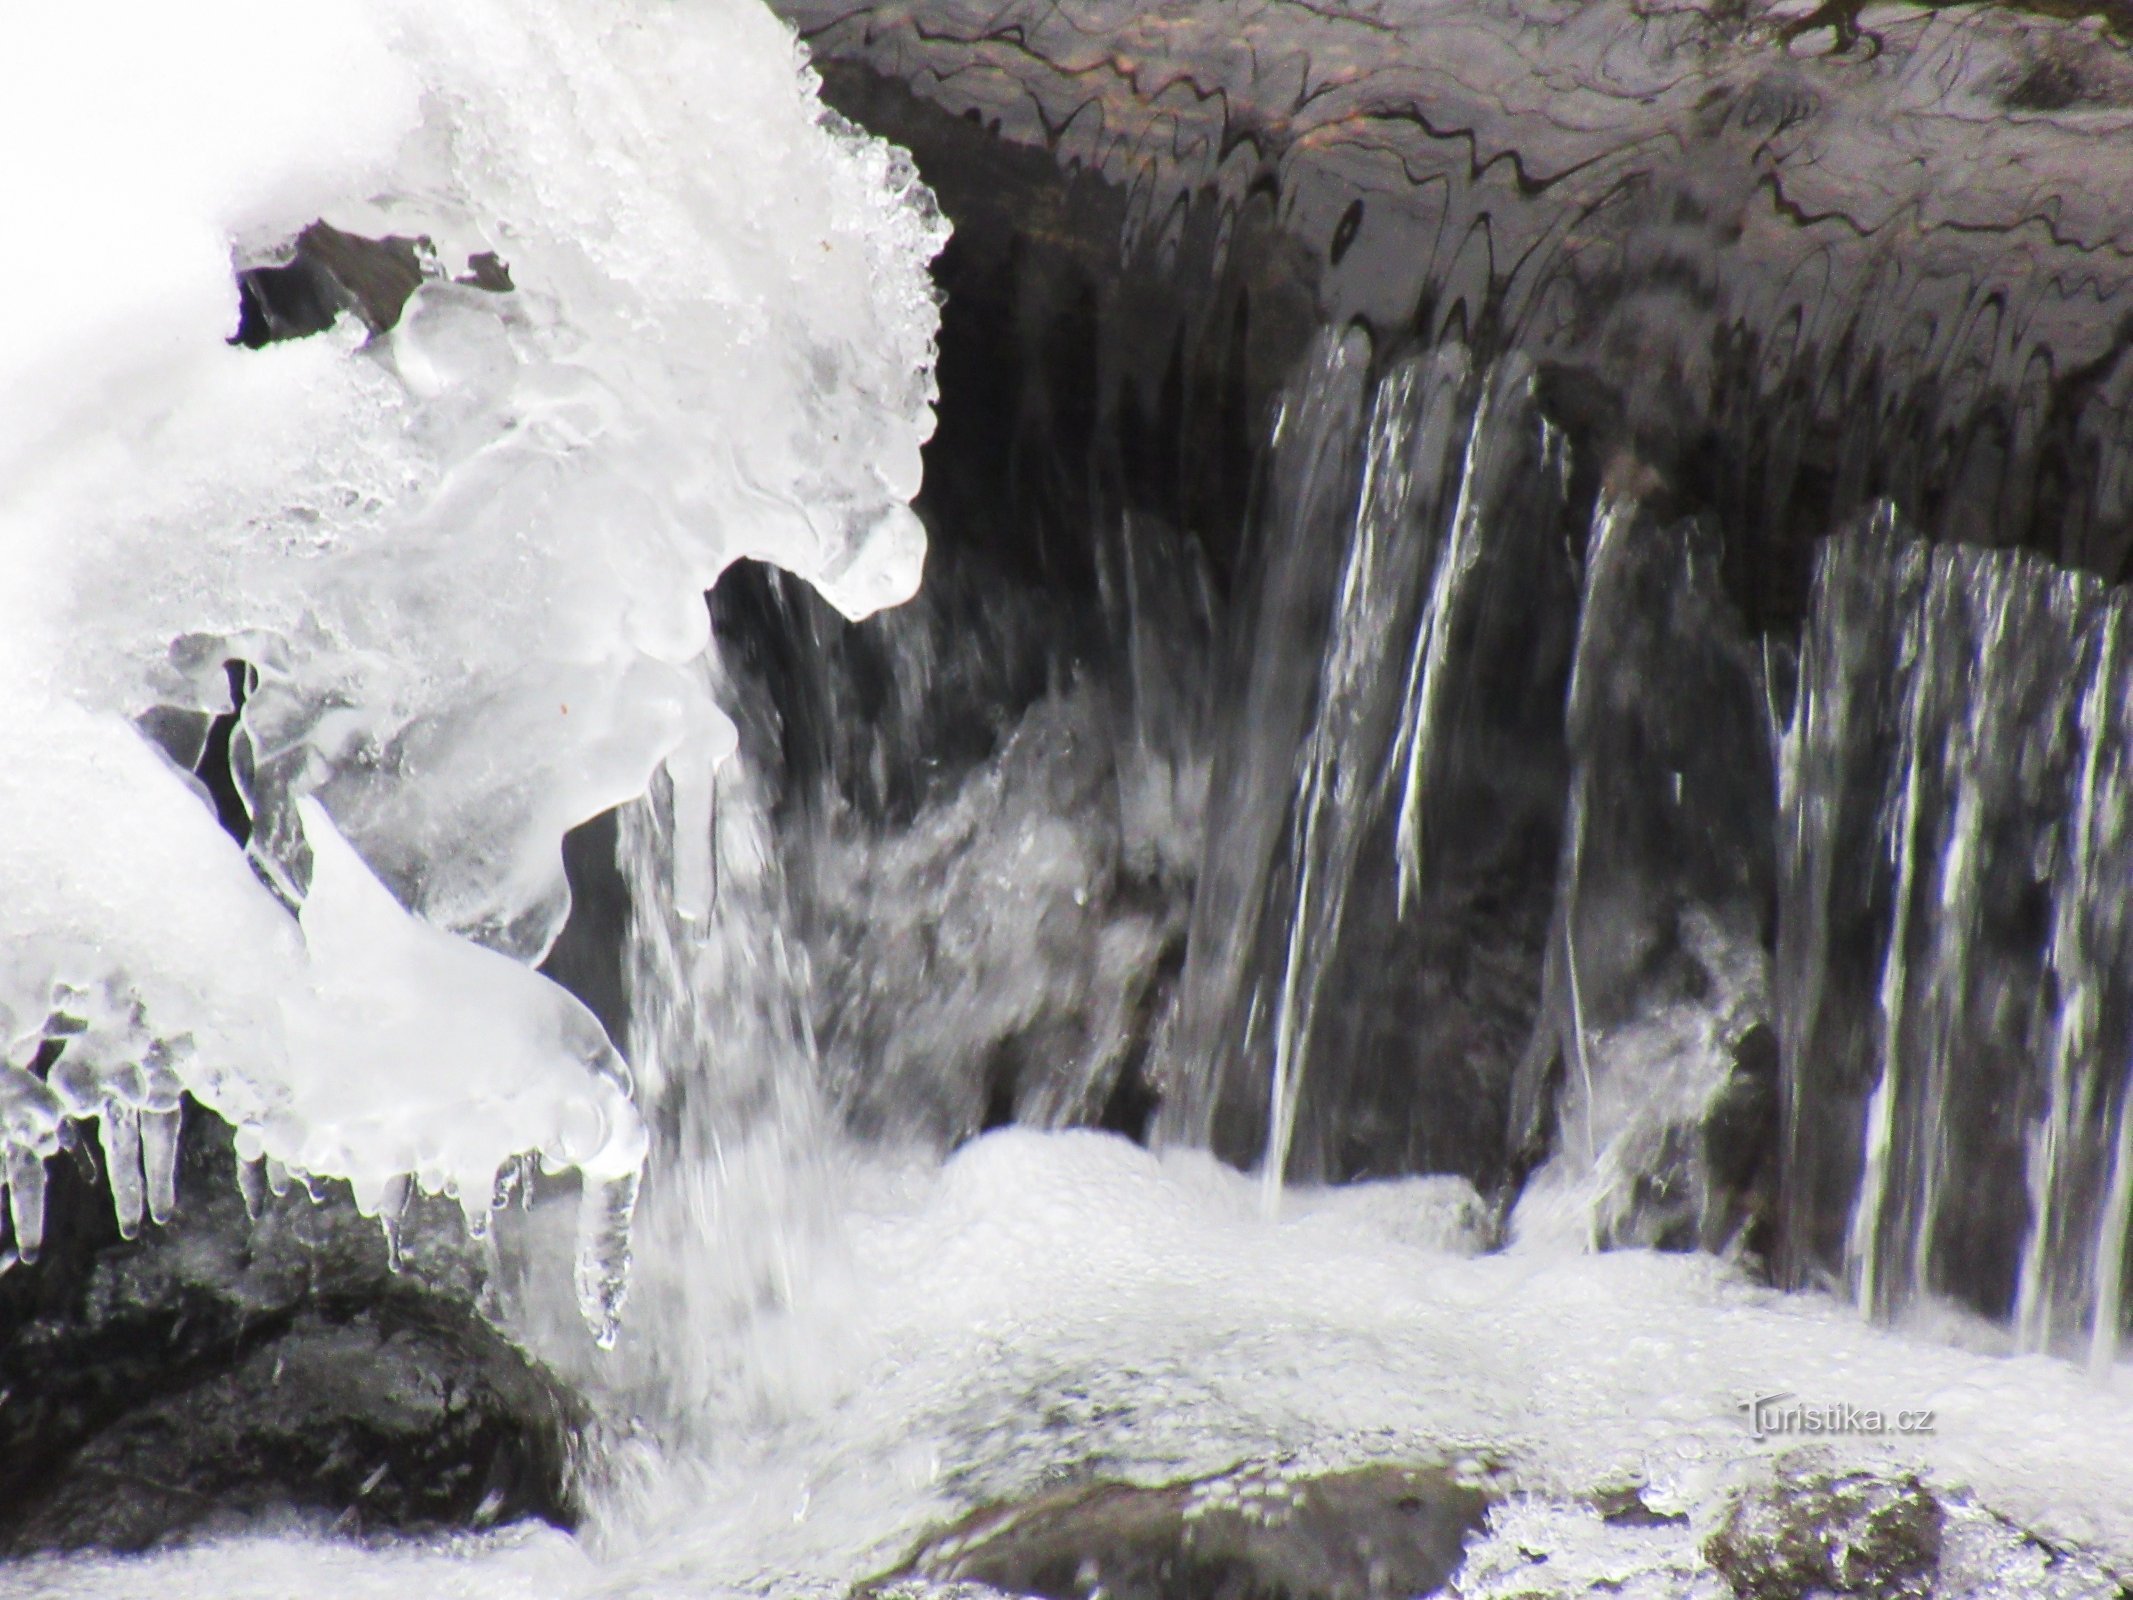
(487, 270)
(1774, 249)
(1654, 1058)
(1740, 1135)
(1380, 856)
(1771, 265)
(217, 1368)
(401, 1417)
(587, 955)
(329, 271)
(1856, 1534)
(1369, 1534)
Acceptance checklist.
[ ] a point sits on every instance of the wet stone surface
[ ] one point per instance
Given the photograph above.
(1368, 1534)
(1854, 1534)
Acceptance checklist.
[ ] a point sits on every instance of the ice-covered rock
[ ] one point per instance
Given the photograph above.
(462, 557)
(287, 1367)
(1852, 1534)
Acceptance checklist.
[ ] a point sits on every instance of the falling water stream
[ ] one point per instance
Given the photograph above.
(1431, 979)
(1963, 712)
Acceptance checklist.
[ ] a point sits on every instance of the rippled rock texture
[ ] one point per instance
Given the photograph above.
(1797, 260)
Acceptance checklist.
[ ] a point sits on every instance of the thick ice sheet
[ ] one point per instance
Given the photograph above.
(463, 560)
(1067, 1304)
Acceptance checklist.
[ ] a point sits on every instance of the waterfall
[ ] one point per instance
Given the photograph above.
(1842, 988)
(1653, 1040)
(1405, 460)
(1392, 953)
(740, 1186)
(1955, 957)
(1393, 669)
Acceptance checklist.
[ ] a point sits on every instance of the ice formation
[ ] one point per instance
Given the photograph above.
(461, 559)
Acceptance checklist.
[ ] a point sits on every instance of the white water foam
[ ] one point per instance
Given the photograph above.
(1051, 1306)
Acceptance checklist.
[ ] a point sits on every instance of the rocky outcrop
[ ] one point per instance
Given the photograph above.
(1851, 1534)
(218, 1370)
(1772, 268)
(1368, 1534)
(329, 271)
(1789, 259)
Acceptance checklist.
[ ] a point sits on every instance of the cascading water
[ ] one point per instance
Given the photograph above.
(1655, 1021)
(1953, 945)
(1456, 858)
(1415, 683)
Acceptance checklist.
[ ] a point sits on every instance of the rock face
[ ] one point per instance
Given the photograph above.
(1793, 261)
(1370, 1534)
(218, 1370)
(1655, 1041)
(1851, 1535)
(1386, 796)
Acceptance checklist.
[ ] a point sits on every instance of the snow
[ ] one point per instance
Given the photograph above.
(463, 560)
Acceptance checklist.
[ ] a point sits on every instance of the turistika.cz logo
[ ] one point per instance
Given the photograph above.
(1773, 1415)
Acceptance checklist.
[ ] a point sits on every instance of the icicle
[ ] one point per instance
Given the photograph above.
(252, 1184)
(119, 1131)
(25, 1201)
(368, 1192)
(392, 1210)
(603, 1265)
(277, 1178)
(159, 1161)
(31, 1117)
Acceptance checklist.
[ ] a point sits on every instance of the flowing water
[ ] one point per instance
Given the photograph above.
(1447, 985)
(1953, 935)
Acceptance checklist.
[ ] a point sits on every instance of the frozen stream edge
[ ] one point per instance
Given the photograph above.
(1048, 1306)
